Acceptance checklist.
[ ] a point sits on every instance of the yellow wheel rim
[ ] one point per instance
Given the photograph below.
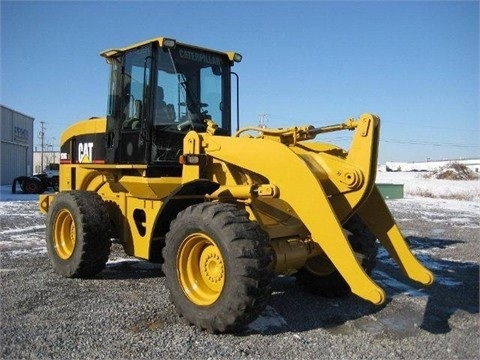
(201, 270)
(64, 234)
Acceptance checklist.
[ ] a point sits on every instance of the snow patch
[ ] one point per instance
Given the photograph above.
(416, 185)
(384, 280)
(269, 319)
(6, 195)
(22, 230)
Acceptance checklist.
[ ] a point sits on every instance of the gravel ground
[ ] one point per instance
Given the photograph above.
(124, 313)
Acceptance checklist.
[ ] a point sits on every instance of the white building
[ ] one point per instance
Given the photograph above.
(16, 148)
(42, 160)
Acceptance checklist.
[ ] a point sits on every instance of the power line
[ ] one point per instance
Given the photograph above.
(427, 143)
(41, 135)
(385, 123)
(263, 120)
(419, 124)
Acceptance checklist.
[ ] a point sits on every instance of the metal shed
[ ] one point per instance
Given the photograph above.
(16, 149)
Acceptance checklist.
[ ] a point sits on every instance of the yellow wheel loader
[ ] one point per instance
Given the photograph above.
(223, 210)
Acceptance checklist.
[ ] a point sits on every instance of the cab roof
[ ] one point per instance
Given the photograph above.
(165, 42)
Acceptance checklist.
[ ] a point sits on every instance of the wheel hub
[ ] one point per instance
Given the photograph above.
(64, 236)
(201, 269)
(211, 266)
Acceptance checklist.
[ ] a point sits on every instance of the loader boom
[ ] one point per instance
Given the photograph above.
(324, 191)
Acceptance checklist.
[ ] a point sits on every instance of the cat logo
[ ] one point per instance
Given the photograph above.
(85, 152)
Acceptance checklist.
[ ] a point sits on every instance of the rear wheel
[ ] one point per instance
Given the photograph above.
(33, 186)
(217, 267)
(78, 234)
(319, 276)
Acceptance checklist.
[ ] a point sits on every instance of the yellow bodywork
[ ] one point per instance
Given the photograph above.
(125, 195)
(299, 191)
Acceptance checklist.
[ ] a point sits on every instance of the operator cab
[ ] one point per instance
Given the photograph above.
(159, 90)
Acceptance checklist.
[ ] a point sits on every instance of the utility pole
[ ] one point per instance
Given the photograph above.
(41, 135)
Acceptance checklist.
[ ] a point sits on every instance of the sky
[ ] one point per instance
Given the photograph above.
(415, 64)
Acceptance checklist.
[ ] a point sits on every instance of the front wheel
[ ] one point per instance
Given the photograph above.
(217, 267)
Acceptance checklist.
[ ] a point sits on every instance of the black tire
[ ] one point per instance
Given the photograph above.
(328, 282)
(55, 180)
(20, 181)
(78, 234)
(231, 262)
(33, 186)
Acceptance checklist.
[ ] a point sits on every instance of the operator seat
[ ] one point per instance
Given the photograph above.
(164, 113)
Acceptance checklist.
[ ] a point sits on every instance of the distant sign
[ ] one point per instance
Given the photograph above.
(20, 134)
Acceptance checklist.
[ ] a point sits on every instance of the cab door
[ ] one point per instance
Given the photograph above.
(127, 120)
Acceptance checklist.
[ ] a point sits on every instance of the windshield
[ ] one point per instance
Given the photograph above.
(189, 88)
